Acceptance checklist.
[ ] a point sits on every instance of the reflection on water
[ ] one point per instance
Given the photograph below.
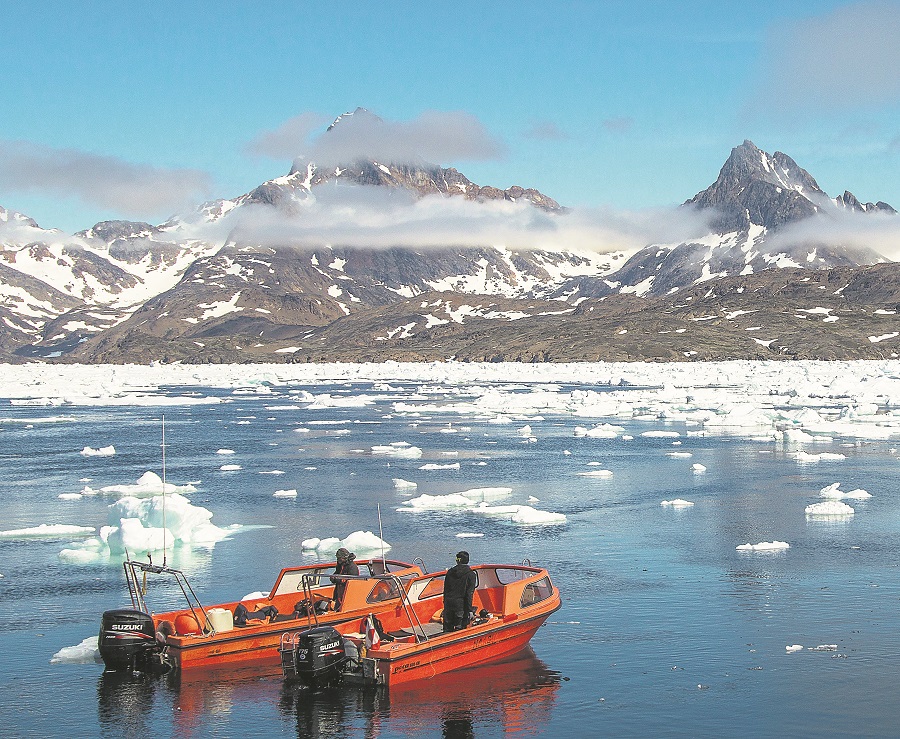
(515, 697)
(125, 704)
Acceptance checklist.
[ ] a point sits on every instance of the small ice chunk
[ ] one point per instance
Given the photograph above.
(230, 467)
(104, 451)
(86, 652)
(225, 451)
(596, 473)
(433, 466)
(468, 536)
(285, 494)
(679, 455)
(660, 434)
(401, 484)
(70, 496)
(793, 648)
(677, 503)
(829, 508)
(697, 468)
(763, 546)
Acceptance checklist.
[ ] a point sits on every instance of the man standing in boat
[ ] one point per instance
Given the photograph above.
(459, 589)
(345, 566)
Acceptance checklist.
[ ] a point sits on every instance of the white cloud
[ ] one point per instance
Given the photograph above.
(845, 58)
(135, 190)
(434, 136)
(354, 216)
(845, 228)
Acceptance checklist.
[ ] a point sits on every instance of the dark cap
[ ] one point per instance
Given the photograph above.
(342, 554)
(462, 557)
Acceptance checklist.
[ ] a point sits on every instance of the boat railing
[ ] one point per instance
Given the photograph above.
(136, 578)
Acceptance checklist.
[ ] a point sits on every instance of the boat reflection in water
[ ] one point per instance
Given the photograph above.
(514, 697)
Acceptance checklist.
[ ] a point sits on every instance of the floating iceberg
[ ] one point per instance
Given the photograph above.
(763, 546)
(677, 503)
(148, 484)
(829, 508)
(358, 541)
(104, 451)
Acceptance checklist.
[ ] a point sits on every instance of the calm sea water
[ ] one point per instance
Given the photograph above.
(666, 629)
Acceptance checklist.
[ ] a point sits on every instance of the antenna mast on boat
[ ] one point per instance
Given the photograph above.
(164, 486)
(381, 537)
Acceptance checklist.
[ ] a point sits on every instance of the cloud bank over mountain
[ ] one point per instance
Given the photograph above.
(434, 136)
(135, 190)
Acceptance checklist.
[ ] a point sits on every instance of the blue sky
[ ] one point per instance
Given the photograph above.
(135, 110)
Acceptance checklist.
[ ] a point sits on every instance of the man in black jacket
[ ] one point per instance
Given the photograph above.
(345, 566)
(459, 588)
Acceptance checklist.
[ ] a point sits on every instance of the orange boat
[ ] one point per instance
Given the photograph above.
(511, 602)
(246, 632)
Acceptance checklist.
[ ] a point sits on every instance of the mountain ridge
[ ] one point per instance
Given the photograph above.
(197, 281)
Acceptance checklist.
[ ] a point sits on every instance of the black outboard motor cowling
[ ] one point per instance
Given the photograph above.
(127, 640)
(316, 657)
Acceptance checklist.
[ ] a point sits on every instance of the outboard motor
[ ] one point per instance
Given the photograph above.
(315, 656)
(127, 641)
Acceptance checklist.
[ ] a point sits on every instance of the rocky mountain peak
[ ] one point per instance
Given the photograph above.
(756, 188)
(849, 201)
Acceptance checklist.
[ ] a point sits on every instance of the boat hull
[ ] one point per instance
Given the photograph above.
(396, 664)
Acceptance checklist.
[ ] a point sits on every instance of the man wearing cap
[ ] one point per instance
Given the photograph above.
(345, 566)
(459, 588)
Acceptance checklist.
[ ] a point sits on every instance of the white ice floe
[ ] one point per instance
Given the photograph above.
(358, 541)
(523, 514)
(679, 455)
(806, 458)
(84, 653)
(465, 535)
(834, 492)
(398, 449)
(437, 502)
(600, 431)
(225, 451)
(272, 472)
(401, 484)
(147, 484)
(433, 466)
(285, 494)
(104, 451)
(70, 496)
(661, 434)
(829, 508)
(482, 494)
(793, 648)
(468, 502)
(596, 473)
(860, 397)
(230, 467)
(676, 503)
(697, 468)
(763, 546)
(48, 531)
(799, 436)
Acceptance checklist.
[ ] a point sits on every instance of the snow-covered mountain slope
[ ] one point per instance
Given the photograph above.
(256, 270)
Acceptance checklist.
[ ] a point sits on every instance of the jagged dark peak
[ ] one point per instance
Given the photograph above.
(110, 231)
(755, 188)
(849, 201)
